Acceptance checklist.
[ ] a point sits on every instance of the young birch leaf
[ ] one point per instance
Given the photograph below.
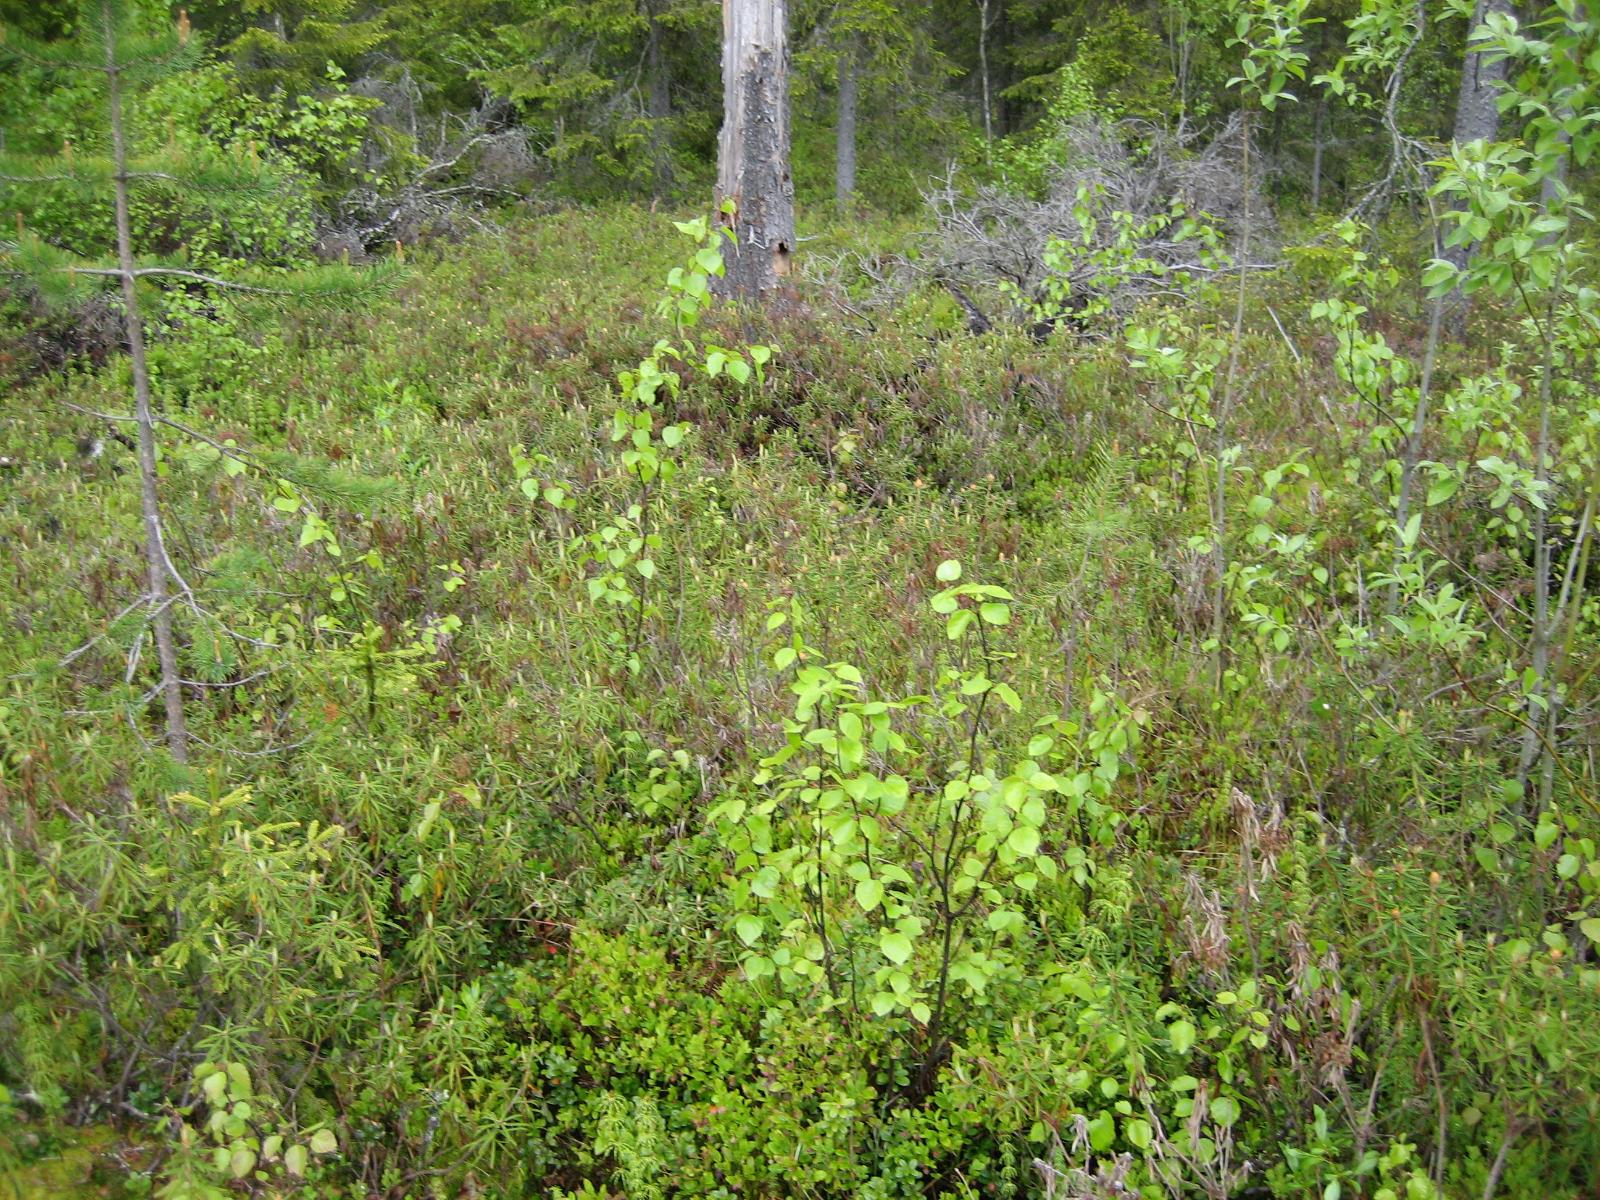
(895, 945)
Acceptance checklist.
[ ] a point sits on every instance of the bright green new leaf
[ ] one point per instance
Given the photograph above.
(1182, 1035)
(895, 945)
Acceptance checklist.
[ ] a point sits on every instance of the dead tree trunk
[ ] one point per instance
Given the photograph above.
(844, 176)
(158, 568)
(753, 157)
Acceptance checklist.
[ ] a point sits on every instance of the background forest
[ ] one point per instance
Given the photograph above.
(1087, 690)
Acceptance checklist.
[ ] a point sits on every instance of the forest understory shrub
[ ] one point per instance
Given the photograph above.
(619, 787)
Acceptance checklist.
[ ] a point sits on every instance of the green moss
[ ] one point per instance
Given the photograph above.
(66, 1163)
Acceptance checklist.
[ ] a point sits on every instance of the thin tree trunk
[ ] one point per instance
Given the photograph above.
(1219, 552)
(656, 66)
(983, 69)
(844, 178)
(1413, 450)
(1539, 649)
(1569, 603)
(156, 566)
(753, 157)
(1316, 154)
(1553, 189)
(1185, 58)
(1492, 1183)
(660, 102)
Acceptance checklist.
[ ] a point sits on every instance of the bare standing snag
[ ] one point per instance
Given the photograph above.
(753, 157)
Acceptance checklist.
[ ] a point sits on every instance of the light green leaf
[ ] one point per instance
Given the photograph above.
(1102, 1132)
(1182, 1035)
(995, 614)
(895, 945)
(241, 1162)
(1138, 1132)
(1024, 841)
(1442, 489)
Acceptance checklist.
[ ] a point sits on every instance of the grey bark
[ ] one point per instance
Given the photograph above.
(1316, 155)
(983, 69)
(1553, 190)
(157, 567)
(659, 101)
(1482, 73)
(656, 66)
(844, 178)
(753, 155)
(1533, 745)
(1554, 186)
(1477, 101)
(1219, 552)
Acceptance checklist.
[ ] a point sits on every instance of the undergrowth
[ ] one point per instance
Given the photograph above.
(906, 828)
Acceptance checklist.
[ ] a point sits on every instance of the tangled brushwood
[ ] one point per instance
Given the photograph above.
(1130, 213)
